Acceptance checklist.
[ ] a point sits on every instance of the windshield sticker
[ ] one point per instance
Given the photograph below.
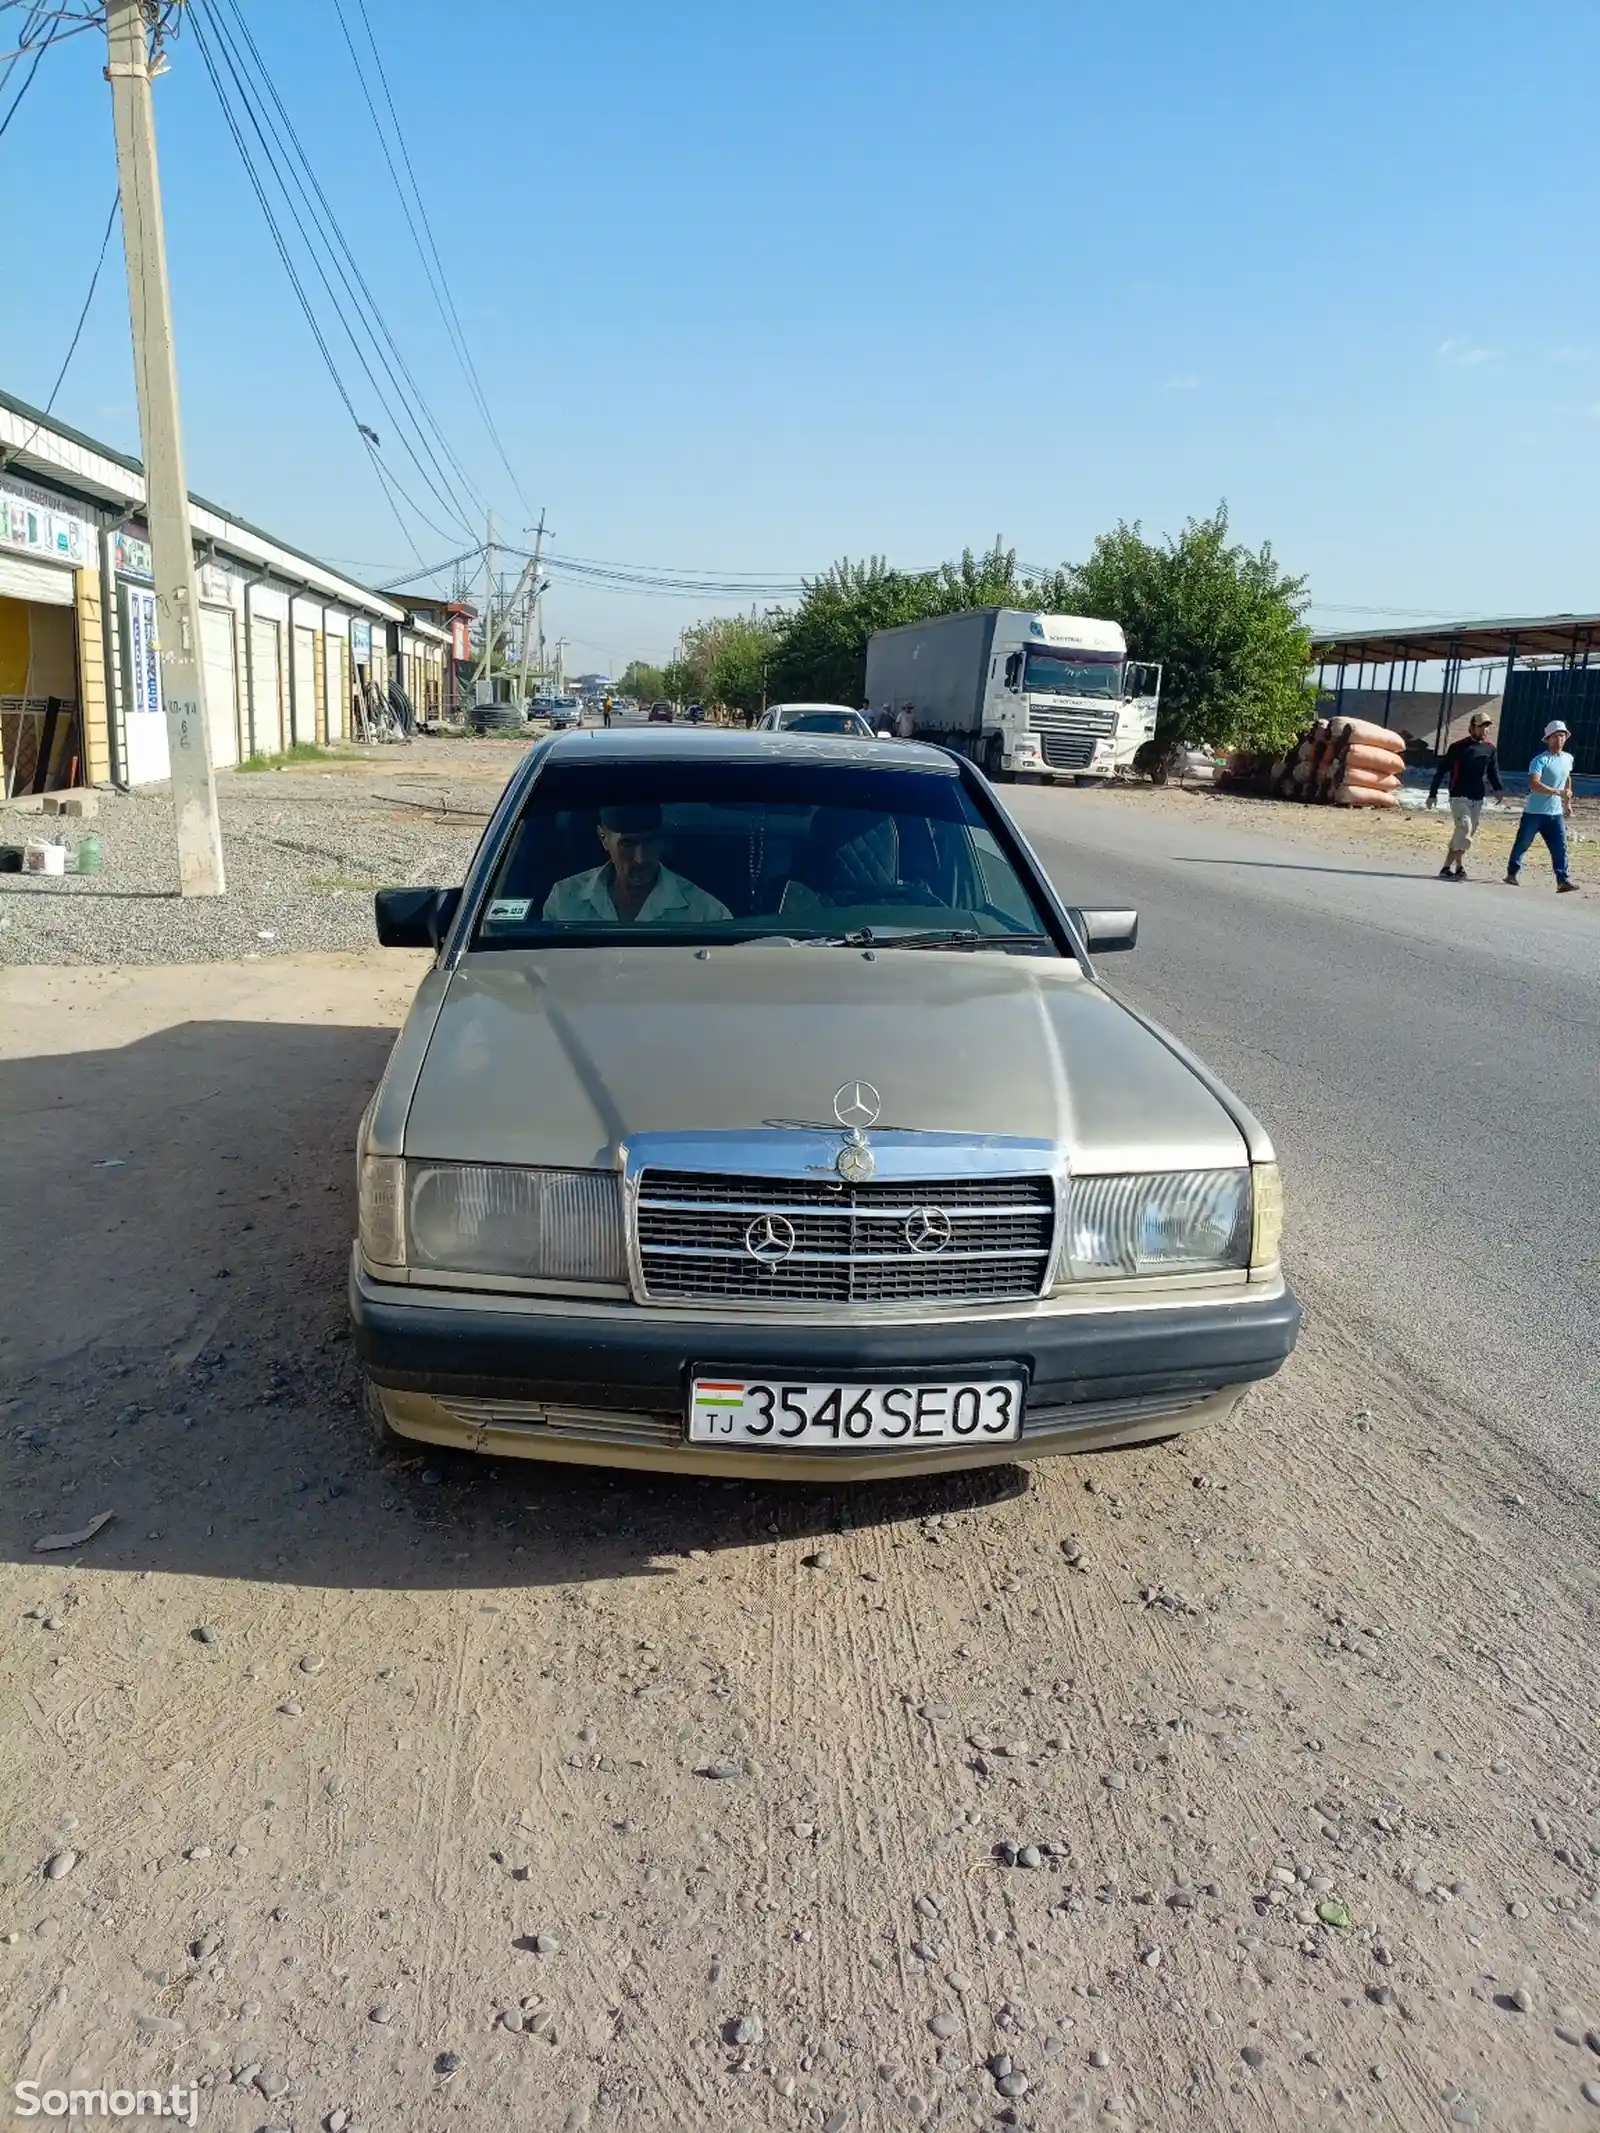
(510, 907)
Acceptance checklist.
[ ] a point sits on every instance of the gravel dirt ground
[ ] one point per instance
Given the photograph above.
(429, 1793)
(304, 848)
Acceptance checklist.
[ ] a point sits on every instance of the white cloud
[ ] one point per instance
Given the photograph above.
(1180, 381)
(1465, 354)
(1570, 352)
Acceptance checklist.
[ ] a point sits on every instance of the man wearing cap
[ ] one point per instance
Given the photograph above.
(1469, 770)
(633, 888)
(1545, 811)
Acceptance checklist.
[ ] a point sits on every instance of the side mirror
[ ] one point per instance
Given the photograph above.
(414, 918)
(1105, 932)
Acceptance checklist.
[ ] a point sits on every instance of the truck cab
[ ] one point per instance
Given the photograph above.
(1047, 696)
(1063, 697)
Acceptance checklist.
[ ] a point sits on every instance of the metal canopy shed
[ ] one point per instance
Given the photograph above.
(1555, 681)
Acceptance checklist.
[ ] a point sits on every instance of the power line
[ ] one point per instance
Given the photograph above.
(72, 345)
(432, 570)
(38, 50)
(432, 263)
(305, 211)
(329, 218)
(298, 287)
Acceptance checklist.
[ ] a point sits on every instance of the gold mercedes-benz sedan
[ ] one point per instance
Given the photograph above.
(763, 1113)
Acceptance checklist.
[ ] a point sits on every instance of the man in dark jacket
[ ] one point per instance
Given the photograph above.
(1470, 768)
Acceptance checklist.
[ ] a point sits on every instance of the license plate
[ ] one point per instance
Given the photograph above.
(838, 1418)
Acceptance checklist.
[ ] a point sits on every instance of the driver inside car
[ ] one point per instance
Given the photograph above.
(632, 887)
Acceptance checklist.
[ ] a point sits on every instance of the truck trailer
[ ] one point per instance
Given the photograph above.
(1048, 696)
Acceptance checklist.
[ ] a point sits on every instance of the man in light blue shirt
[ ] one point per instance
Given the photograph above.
(1545, 811)
(633, 887)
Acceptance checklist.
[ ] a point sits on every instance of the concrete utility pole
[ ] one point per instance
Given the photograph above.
(530, 578)
(484, 657)
(155, 370)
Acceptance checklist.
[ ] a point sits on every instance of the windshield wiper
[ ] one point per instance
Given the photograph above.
(948, 937)
(916, 937)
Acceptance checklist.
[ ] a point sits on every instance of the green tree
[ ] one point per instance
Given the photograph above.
(740, 662)
(642, 681)
(1224, 621)
(822, 652)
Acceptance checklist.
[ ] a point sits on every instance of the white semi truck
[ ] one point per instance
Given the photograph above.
(1050, 696)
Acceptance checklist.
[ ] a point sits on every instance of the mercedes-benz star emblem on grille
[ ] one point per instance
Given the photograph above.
(769, 1238)
(857, 1105)
(928, 1229)
(855, 1162)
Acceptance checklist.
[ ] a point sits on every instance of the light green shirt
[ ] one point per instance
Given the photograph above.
(587, 898)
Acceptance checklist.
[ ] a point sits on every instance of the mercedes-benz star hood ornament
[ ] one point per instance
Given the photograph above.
(856, 1106)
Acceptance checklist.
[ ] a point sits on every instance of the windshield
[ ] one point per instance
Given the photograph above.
(826, 722)
(735, 851)
(1064, 670)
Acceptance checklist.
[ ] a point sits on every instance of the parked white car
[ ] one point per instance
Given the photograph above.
(779, 718)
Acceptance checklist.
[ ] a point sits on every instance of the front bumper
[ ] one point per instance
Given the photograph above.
(541, 1377)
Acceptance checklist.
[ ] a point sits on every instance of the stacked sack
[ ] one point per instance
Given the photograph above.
(1365, 764)
(1342, 762)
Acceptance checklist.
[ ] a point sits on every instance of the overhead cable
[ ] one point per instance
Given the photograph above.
(432, 570)
(72, 346)
(344, 248)
(385, 481)
(432, 262)
(212, 35)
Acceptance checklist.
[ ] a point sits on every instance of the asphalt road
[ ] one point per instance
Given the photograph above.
(1427, 1059)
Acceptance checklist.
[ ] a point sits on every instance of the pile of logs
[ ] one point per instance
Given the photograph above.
(1342, 762)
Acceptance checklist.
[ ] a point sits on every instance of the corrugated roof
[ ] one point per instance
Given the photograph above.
(1527, 635)
(90, 467)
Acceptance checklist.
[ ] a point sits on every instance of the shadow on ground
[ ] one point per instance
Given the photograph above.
(174, 1349)
(1295, 866)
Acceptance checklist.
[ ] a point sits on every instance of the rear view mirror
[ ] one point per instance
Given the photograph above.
(414, 918)
(1105, 932)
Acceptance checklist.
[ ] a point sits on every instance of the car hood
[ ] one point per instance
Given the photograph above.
(559, 1056)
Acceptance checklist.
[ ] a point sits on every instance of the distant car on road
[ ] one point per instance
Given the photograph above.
(763, 1113)
(565, 711)
(778, 718)
(660, 715)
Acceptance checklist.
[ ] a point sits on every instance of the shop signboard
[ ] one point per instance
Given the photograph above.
(29, 523)
(131, 556)
(360, 641)
(459, 647)
(144, 730)
(144, 653)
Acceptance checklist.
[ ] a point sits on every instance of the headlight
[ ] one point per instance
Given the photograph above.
(1164, 1222)
(489, 1218)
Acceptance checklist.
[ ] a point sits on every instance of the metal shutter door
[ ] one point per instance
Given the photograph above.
(338, 701)
(222, 697)
(305, 686)
(43, 583)
(268, 695)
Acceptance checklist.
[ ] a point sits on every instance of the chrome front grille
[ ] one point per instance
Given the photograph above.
(851, 1243)
(1067, 736)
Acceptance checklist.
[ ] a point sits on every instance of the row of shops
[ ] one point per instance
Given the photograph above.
(293, 651)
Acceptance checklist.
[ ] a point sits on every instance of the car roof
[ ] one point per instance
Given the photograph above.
(631, 744)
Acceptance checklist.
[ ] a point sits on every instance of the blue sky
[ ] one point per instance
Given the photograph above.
(753, 287)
